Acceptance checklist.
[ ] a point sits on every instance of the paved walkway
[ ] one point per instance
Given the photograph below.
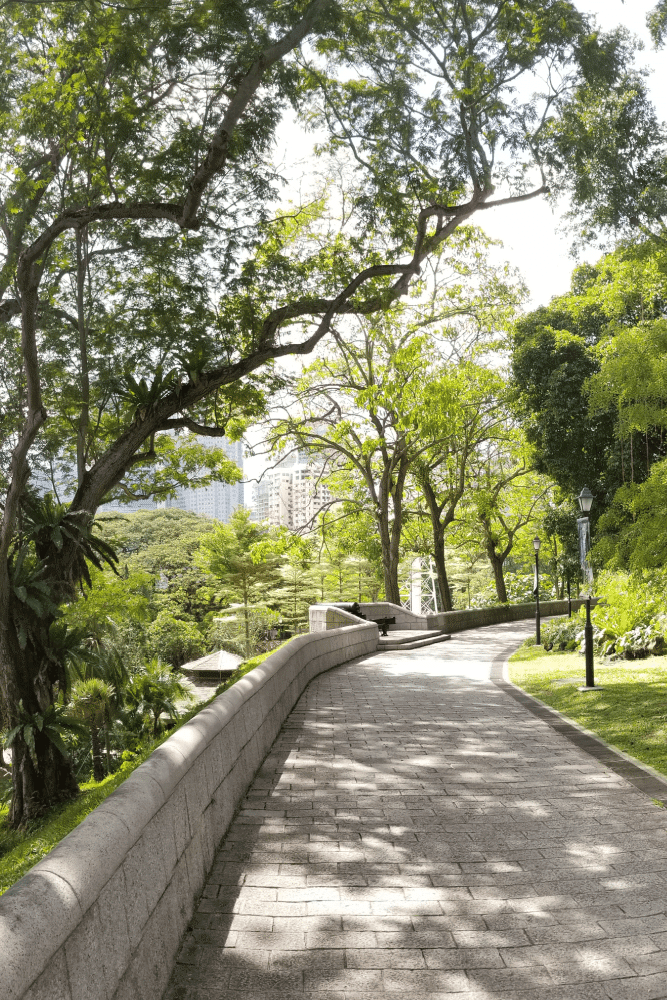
(417, 832)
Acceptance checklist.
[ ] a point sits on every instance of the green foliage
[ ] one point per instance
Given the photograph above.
(64, 542)
(244, 630)
(629, 622)
(552, 360)
(562, 634)
(54, 723)
(519, 588)
(628, 600)
(173, 640)
(151, 693)
(92, 701)
(245, 558)
(112, 602)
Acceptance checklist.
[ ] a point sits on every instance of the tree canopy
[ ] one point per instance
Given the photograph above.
(150, 275)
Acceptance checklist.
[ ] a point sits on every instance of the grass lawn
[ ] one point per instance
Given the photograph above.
(630, 712)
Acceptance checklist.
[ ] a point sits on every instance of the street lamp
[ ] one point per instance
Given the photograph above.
(536, 589)
(585, 499)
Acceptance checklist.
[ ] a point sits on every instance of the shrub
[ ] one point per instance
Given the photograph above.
(636, 643)
(175, 641)
(562, 633)
(228, 631)
(627, 601)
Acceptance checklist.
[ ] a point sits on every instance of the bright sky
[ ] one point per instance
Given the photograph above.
(529, 232)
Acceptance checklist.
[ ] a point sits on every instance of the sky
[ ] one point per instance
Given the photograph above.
(533, 233)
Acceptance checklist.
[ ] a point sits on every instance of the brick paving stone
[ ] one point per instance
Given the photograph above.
(416, 829)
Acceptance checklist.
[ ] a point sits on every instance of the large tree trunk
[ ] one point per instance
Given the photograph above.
(49, 779)
(389, 563)
(390, 538)
(441, 569)
(96, 749)
(498, 576)
(441, 517)
(37, 788)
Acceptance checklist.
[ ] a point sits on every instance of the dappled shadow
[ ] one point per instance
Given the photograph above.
(415, 829)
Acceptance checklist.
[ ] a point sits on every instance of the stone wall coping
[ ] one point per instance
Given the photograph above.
(453, 621)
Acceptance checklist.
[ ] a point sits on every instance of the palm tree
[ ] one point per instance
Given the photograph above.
(154, 692)
(91, 701)
(105, 662)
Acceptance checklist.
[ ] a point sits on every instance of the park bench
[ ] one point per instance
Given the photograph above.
(383, 623)
(353, 608)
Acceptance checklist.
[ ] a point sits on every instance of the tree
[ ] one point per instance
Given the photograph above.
(91, 702)
(245, 557)
(154, 691)
(617, 151)
(352, 408)
(350, 558)
(552, 360)
(297, 591)
(148, 278)
(603, 348)
(163, 543)
(174, 641)
(388, 397)
(462, 410)
(502, 499)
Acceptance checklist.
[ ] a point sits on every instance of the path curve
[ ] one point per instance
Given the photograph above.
(416, 831)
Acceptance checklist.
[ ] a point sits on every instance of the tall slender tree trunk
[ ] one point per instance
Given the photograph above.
(52, 780)
(441, 570)
(84, 419)
(498, 575)
(389, 540)
(96, 749)
(441, 516)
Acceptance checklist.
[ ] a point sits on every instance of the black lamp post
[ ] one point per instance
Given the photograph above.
(536, 546)
(585, 499)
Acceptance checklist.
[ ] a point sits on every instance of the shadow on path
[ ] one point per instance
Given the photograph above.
(415, 829)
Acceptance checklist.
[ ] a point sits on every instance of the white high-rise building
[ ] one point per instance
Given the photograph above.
(219, 500)
(291, 494)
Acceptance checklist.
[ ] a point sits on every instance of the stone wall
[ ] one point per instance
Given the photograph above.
(101, 917)
(458, 621)
(405, 619)
(323, 616)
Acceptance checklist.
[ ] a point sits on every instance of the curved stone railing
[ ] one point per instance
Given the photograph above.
(323, 616)
(101, 917)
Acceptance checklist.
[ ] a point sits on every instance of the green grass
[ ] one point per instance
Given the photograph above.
(21, 849)
(247, 665)
(630, 710)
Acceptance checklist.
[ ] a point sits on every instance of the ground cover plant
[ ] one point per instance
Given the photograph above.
(629, 711)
